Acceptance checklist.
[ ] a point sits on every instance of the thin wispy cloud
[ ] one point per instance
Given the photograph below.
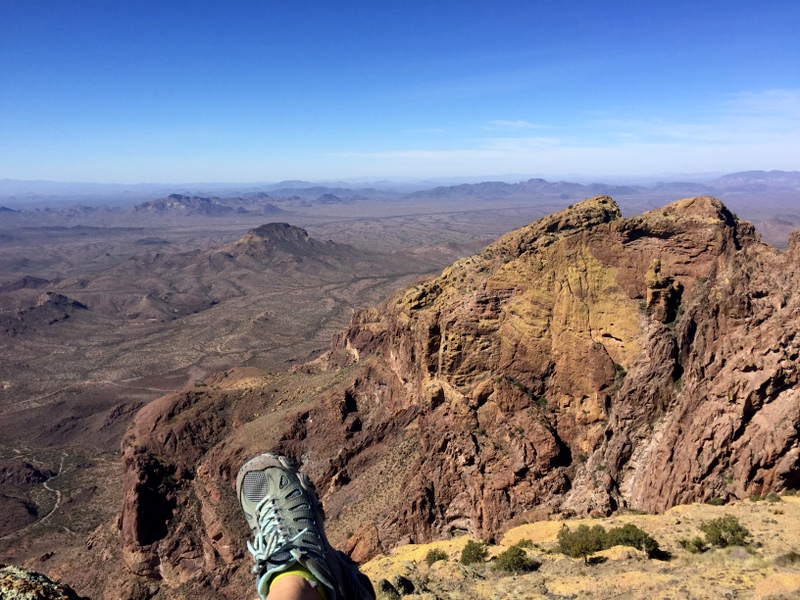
(765, 125)
(740, 118)
(778, 103)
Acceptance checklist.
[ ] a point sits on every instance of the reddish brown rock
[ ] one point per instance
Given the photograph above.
(583, 363)
(363, 544)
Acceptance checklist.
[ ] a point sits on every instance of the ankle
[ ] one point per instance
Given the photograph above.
(297, 584)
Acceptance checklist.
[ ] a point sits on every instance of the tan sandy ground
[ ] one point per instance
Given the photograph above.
(627, 573)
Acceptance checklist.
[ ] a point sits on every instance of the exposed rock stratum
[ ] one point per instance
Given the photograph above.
(584, 363)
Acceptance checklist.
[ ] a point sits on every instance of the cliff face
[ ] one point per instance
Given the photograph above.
(591, 362)
(583, 363)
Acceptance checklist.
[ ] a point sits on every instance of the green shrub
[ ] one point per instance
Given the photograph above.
(582, 542)
(630, 535)
(585, 540)
(695, 545)
(716, 501)
(474, 552)
(387, 590)
(789, 559)
(725, 531)
(435, 554)
(789, 492)
(756, 498)
(524, 543)
(773, 497)
(513, 560)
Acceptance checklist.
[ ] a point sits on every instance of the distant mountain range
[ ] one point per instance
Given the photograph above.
(21, 191)
(769, 199)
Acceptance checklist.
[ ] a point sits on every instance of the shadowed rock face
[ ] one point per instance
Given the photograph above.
(585, 363)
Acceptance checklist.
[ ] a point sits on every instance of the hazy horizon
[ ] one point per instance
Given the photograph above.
(621, 179)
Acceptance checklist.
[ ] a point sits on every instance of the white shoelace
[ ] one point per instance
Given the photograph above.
(271, 536)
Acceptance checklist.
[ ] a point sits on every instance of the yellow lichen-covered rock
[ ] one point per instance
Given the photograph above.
(22, 584)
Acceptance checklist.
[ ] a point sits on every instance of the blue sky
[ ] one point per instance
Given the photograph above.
(165, 91)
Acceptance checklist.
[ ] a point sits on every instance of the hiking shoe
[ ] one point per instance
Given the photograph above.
(286, 518)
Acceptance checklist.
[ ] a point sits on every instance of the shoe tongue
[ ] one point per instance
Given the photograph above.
(255, 486)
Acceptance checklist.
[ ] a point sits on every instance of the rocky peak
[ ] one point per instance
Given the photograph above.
(59, 301)
(581, 216)
(287, 243)
(277, 234)
(20, 472)
(182, 204)
(584, 363)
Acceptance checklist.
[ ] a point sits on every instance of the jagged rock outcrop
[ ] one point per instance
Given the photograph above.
(19, 471)
(50, 308)
(285, 240)
(186, 205)
(583, 363)
(22, 584)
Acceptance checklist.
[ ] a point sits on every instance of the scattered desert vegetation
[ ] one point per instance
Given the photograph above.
(748, 552)
(585, 541)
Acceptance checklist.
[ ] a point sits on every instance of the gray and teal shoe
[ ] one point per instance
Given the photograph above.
(286, 518)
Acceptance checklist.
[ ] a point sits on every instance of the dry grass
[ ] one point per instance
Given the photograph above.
(625, 572)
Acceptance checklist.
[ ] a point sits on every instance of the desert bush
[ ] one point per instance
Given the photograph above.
(473, 552)
(403, 585)
(582, 542)
(513, 560)
(789, 559)
(434, 555)
(630, 535)
(725, 531)
(716, 501)
(789, 492)
(695, 545)
(585, 540)
(524, 543)
(387, 590)
(773, 497)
